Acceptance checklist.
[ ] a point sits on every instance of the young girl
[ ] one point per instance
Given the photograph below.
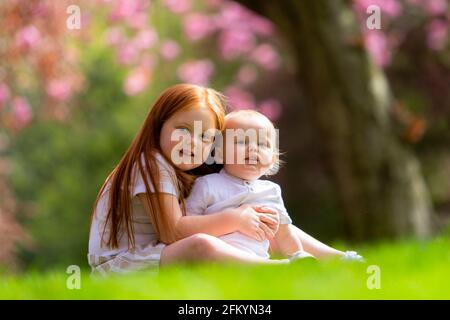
(251, 151)
(139, 217)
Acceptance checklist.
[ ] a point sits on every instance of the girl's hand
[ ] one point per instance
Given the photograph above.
(251, 224)
(269, 216)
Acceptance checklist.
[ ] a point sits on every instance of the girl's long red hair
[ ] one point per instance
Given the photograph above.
(121, 180)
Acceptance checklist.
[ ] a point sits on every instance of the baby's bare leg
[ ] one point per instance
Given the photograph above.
(287, 241)
(314, 246)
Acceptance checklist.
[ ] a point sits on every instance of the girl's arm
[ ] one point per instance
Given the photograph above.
(243, 219)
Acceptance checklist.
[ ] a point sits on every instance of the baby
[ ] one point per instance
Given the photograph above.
(251, 151)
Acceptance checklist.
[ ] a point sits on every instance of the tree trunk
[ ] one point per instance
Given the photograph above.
(378, 180)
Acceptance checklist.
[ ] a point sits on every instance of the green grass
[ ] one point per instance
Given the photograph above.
(409, 270)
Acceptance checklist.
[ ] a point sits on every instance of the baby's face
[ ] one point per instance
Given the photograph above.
(249, 143)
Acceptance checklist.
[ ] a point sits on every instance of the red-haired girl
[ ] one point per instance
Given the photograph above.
(139, 218)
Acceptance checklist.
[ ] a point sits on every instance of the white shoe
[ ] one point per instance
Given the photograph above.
(299, 255)
(352, 256)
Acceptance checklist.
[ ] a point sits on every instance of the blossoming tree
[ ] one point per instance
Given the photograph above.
(378, 178)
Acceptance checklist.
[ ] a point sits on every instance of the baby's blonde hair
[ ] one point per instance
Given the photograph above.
(276, 150)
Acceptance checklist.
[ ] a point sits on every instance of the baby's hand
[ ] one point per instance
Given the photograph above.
(269, 216)
(251, 225)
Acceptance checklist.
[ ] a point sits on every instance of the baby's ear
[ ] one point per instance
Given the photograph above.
(274, 160)
(272, 169)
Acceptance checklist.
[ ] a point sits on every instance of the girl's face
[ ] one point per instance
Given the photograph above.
(248, 156)
(187, 137)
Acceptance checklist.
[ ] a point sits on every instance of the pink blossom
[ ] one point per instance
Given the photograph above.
(21, 111)
(148, 61)
(28, 37)
(178, 6)
(247, 74)
(145, 39)
(4, 93)
(266, 56)
(260, 25)
(213, 3)
(169, 50)
(392, 8)
(437, 34)
(128, 53)
(240, 27)
(239, 99)
(136, 81)
(126, 9)
(197, 26)
(138, 21)
(237, 17)
(86, 19)
(59, 89)
(196, 72)
(234, 43)
(271, 108)
(40, 9)
(114, 36)
(435, 7)
(377, 46)
(234, 15)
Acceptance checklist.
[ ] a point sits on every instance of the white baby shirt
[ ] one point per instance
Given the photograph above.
(219, 191)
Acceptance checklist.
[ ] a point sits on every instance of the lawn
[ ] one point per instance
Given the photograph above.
(408, 270)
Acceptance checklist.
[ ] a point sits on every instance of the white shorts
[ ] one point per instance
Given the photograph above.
(145, 257)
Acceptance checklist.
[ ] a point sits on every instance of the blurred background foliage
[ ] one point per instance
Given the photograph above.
(63, 130)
